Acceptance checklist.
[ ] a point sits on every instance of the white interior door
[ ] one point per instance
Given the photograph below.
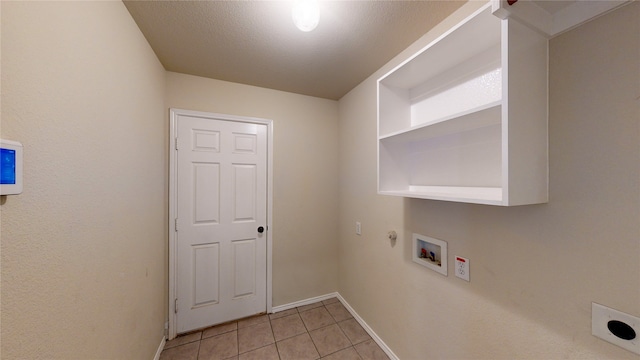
(221, 220)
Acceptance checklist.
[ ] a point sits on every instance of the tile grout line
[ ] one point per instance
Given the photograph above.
(309, 332)
(275, 343)
(199, 343)
(341, 331)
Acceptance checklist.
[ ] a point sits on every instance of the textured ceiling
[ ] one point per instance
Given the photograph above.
(256, 43)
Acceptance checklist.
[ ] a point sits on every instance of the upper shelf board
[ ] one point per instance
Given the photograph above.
(437, 57)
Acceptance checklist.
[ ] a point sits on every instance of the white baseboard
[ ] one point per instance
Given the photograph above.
(160, 348)
(355, 315)
(309, 301)
(369, 330)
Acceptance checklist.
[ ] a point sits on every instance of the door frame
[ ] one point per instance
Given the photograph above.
(173, 203)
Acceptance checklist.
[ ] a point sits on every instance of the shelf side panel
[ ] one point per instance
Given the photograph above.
(525, 110)
(393, 173)
(393, 109)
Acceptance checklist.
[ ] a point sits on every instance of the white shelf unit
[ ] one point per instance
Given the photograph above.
(465, 118)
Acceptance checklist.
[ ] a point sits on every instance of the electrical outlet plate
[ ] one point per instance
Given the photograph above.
(462, 268)
(602, 316)
(358, 228)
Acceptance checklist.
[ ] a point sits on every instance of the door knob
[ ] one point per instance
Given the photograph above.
(260, 229)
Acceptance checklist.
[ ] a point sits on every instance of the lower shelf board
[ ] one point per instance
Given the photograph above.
(476, 195)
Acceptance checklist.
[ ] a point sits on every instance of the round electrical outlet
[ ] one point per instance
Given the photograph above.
(621, 330)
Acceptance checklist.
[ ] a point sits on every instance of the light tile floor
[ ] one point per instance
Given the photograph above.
(323, 330)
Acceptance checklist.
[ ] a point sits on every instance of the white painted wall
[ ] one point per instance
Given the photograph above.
(84, 271)
(534, 269)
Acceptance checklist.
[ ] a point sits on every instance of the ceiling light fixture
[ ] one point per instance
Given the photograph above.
(306, 14)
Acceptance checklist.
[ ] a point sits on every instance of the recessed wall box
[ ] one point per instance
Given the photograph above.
(430, 252)
(10, 167)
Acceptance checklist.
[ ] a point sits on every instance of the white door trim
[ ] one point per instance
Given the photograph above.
(173, 114)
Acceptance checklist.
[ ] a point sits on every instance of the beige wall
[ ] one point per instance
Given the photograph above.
(83, 249)
(305, 202)
(84, 246)
(534, 269)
